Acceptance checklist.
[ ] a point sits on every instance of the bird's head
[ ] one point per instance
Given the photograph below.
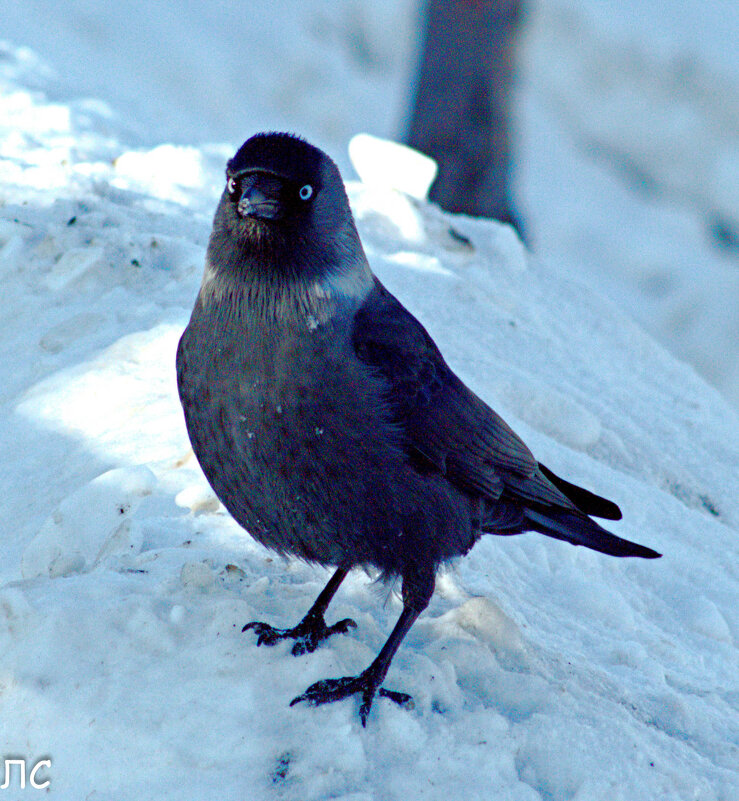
(284, 214)
(275, 180)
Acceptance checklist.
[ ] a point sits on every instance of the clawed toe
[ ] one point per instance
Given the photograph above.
(266, 634)
(329, 690)
(342, 626)
(401, 699)
(308, 634)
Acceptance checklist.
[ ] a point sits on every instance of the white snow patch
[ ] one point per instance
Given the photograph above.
(385, 163)
(90, 526)
(167, 172)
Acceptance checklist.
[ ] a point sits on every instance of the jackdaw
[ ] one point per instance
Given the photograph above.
(326, 419)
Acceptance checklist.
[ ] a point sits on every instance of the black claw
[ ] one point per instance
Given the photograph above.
(308, 634)
(305, 645)
(364, 709)
(329, 690)
(258, 627)
(266, 635)
(342, 626)
(401, 699)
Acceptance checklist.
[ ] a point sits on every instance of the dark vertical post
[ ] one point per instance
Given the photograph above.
(461, 114)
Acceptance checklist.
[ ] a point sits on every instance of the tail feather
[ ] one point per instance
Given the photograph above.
(586, 501)
(579, 529)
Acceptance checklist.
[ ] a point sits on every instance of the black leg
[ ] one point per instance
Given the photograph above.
(312, 629)
(416, 594)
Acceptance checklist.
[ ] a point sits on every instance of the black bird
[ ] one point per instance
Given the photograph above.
(326, 419)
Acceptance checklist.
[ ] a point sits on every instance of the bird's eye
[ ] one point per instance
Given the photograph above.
(231, 186)
(306, 192)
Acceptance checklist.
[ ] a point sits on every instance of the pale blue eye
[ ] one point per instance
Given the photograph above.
(306, 192)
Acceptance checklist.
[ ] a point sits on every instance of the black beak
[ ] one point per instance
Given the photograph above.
(258, 200)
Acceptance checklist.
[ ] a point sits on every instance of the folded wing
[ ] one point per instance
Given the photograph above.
(450, 430)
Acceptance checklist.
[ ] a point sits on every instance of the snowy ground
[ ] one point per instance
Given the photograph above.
(540, 671)
(627, 169)
(629, 164)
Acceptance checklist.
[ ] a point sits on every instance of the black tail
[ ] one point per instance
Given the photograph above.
(586, 501)
(578, 529)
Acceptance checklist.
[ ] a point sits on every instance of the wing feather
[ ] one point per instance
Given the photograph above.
(445, 424)
(449, 429)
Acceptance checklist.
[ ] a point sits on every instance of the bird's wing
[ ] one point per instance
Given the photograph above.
(446, 426)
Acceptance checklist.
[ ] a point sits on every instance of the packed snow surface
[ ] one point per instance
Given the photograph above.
(539, 671)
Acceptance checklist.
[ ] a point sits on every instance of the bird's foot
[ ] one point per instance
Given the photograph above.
(367, 684)
(308, 634)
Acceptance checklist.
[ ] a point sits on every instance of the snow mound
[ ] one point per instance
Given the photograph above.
(539, 672)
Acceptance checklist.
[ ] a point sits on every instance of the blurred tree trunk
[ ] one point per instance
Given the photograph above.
(461, 114)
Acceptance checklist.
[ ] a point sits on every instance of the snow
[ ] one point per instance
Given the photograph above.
(70, 542)
(628, 169)
(627, 122)
(539, 671)
(390, 164)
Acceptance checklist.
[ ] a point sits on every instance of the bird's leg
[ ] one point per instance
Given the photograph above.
(312, 629)
(416, 596)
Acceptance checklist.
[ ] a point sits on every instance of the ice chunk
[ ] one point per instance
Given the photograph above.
(392, 165)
